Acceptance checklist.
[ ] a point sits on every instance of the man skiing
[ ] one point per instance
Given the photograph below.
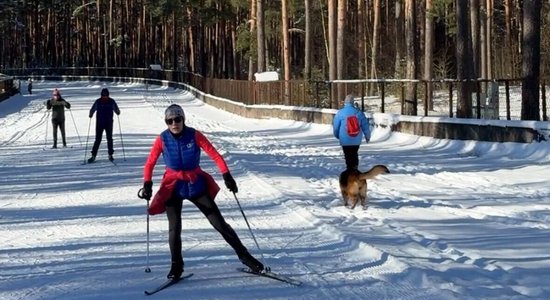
(184, 179)
(57, 104)
(105, 106)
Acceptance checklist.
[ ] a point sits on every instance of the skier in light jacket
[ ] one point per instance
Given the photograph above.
(349, 126)
(57, 104)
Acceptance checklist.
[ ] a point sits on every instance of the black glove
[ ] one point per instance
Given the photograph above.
(147, 191)
(230, 182)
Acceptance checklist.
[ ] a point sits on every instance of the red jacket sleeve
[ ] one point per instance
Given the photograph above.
(156, 150)
(205, 145)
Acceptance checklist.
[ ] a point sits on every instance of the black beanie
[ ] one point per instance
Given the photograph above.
(105, 92)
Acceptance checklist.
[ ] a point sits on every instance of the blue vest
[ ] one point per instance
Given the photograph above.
(183, 154)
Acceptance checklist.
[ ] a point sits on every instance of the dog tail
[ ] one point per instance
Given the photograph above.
(373, 172)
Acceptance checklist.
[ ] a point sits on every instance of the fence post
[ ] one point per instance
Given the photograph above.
(450, 99)
(426, 92)
(363, 96)
(383, 90)
(544, 115)
(478, 100)
(507, 85)
(402, 98)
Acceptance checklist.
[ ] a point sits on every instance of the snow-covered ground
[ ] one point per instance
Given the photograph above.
(453, 220)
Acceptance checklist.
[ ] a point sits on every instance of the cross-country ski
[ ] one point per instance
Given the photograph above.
(272, 275)
(167, 284)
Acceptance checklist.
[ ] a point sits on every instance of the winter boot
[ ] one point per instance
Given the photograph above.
(251, 262)
(175, 271)
(91, 159)
(111, 158)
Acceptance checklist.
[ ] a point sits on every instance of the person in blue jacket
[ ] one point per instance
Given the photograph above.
(104, 106)
(349, 126)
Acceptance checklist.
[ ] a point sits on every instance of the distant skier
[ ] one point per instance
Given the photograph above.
(105, 106)
(57, 104)
(19, 86)
(29, 86)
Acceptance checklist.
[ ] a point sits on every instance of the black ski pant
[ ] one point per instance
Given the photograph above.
(99, 128)
(211, 211)
(351, 154)
(61, 125)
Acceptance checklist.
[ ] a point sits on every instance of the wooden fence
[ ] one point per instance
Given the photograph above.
(373, 95)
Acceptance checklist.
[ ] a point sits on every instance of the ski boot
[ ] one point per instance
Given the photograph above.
(255, 265)
(175, 271)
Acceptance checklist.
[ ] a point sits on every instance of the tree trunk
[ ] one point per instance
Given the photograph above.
(482, 72)
(191, 43)
(260, 35)
(340, 49)
(286, 49)
(508, 41)
(530, 109)
(375, 38)
(464, 61)
(410, 105)
(253, 16)
(475, 29)
(428, 52)
(307, 51)
(489, 39)
(360, 37)
(332, 49)
(399, 40)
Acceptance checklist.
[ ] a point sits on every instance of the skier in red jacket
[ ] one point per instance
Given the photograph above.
(184, 179)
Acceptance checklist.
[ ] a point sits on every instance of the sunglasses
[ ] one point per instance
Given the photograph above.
(176, 119)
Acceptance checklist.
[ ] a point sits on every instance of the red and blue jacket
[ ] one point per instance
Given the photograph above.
(183, 175)
(340, 129)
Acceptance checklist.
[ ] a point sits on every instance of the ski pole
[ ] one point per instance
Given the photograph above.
(251, 233)
(77, 134)
(87, 137)
(121, 140)
(147, 269)
(46, 137)
(140, 195)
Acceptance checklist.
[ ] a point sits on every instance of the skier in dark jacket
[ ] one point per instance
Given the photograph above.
(181, 148)
(104, 106)
(57, 104)
(29, 86)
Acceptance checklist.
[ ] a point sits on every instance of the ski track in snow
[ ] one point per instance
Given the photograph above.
(451, 221)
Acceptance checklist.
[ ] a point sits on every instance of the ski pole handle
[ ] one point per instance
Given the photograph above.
(140, 194)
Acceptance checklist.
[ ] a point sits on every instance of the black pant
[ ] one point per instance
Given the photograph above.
(99, 128)
(61, 125)
(209, 208)
(351, 154)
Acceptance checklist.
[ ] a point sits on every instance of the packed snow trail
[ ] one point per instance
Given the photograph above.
(453, 220)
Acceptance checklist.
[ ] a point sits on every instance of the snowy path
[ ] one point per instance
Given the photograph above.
(454, 220)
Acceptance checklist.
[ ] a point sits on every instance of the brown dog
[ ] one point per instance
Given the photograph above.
(353, 184)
